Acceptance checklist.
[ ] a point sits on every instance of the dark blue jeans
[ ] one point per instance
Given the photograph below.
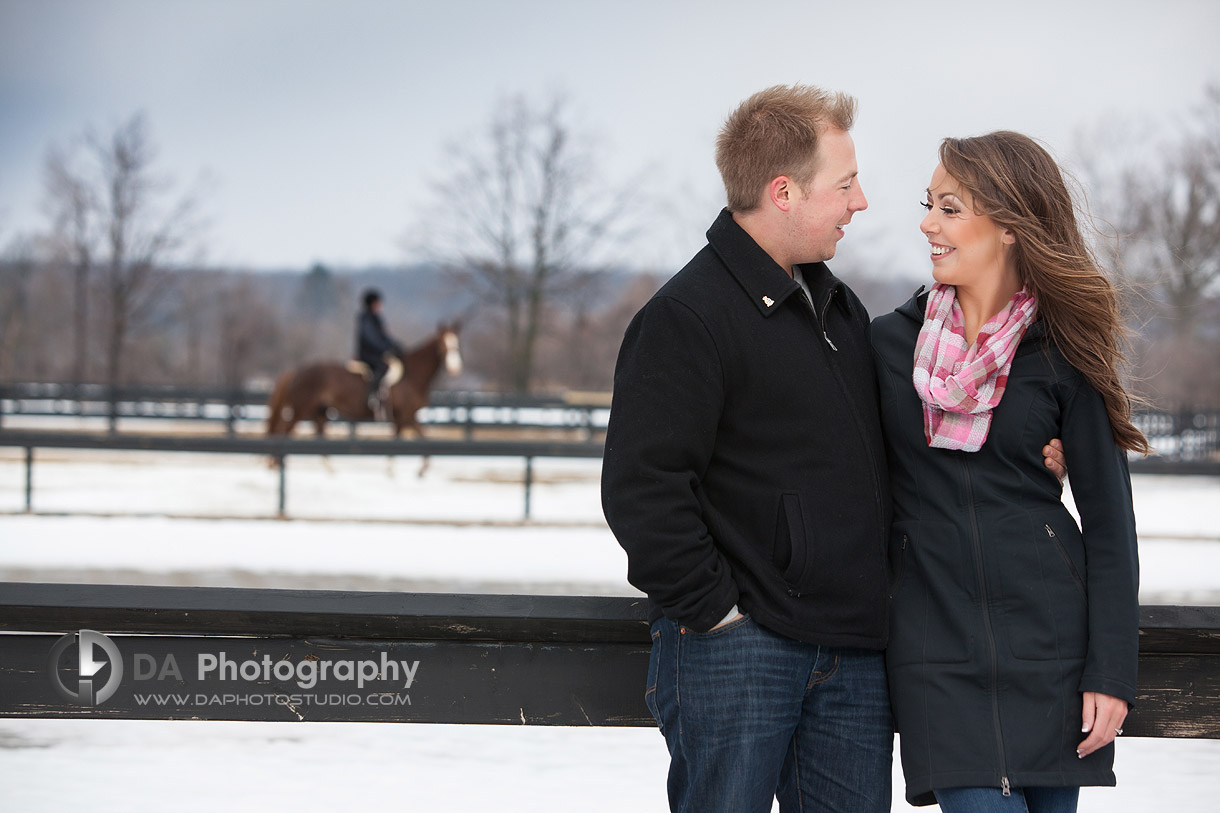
(1022, 800)
(750, 716)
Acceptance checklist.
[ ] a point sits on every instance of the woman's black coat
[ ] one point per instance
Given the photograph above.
(1003, 612)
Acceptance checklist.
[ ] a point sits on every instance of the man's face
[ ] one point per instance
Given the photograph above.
(826, 204)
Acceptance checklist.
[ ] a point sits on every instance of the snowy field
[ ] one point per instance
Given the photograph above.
(372, 523)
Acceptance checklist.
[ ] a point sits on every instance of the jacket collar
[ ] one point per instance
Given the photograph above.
(763, 281)
(915, 307)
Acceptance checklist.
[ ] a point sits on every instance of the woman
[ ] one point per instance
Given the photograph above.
(1013, 642)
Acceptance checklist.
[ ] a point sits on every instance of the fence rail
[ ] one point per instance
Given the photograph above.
(582, 413)
(1184, 434)
(207, 653)
(281, 448)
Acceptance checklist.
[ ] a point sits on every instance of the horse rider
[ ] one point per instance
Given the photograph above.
(373, 345)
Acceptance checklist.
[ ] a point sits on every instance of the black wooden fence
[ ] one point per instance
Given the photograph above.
(1180, 434)
(581, 414)
(281, 448)
(295, 655)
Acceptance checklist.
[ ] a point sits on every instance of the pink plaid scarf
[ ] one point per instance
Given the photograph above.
(960, 384)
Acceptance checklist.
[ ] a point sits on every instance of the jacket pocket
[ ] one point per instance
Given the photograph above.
(791, 544)
(1046, 613)
(932, 615)
(1067, 560)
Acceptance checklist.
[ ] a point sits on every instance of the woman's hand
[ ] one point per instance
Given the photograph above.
(1102, 720)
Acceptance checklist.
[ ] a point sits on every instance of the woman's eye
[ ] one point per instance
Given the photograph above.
(949, 210)
(926, 205)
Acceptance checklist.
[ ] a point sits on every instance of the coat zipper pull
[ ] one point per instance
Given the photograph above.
(822, 320)
(1049, 532)
(829, 299)
(1005, 788)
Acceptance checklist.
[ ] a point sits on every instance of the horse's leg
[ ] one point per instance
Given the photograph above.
(425, 460)
(319, 422)
(284, 428)
(390, 459)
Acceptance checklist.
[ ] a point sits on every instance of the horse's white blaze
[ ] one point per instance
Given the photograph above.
(453, 354)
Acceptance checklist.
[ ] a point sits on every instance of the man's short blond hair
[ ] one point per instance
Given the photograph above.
(775, 132)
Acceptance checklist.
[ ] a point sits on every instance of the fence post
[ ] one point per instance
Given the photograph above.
(113, 398)
(29, 479)
(529, 481)
(281, 464)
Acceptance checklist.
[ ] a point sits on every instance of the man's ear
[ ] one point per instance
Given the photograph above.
(780, 192)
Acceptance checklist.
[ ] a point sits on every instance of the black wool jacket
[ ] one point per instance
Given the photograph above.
(744, 463)
(1003, 611)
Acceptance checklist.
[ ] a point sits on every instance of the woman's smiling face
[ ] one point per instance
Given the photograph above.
(967, 248)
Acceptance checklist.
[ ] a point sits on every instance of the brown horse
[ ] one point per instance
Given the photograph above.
(310, 392)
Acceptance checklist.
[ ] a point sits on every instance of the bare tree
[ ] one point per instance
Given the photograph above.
(139, 234)
(17, 268)
(73, 207)
(110, 216)
(523, 224)
(1173, 218)
(1157, 203)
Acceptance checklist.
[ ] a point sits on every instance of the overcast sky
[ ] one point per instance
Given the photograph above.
(320, 124)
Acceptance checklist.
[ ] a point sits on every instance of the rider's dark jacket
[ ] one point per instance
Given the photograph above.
(372, 341)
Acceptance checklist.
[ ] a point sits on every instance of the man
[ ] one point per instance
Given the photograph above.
(744, 475)
(373, 344)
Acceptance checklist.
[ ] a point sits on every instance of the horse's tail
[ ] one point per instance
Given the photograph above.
(276, 422)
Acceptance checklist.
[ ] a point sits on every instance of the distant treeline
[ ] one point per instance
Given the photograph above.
(209, 328)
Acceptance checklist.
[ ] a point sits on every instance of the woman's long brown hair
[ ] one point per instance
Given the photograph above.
(1017, 184)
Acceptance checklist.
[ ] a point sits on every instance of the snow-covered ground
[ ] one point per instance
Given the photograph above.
(371, 523)
(206, 519)
(131, 766)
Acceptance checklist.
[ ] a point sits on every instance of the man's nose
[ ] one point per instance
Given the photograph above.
(861, 202)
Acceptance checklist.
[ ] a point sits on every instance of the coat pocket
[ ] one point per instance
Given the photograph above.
(791, 547)
(1044, 603)
(1067, 558)
(933, 617)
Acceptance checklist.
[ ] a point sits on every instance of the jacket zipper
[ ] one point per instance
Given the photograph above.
(864, 436)
(822, 319)
(980, 576)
